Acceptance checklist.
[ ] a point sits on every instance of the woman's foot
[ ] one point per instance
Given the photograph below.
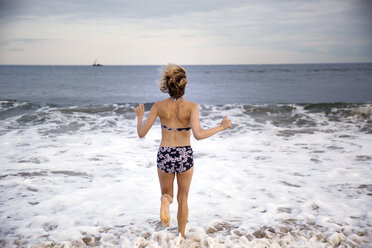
(166, 200)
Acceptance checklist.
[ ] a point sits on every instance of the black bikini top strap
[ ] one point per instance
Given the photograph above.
(183, 129)
(168, 128)
(177, 129)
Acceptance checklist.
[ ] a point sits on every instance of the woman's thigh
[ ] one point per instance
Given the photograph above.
(184, 181)
(166, 182)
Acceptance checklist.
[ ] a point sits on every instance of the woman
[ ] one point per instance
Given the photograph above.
(175, 156)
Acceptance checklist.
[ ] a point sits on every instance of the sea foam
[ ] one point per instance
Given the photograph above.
(282, 176)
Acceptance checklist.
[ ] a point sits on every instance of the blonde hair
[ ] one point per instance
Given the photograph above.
(173, 80)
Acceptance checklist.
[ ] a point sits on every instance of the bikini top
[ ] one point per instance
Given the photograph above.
(176, 129)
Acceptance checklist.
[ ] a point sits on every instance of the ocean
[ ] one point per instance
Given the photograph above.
(293, 171)
(209, 84)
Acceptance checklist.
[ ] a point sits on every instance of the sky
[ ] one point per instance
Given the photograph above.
(155, 32)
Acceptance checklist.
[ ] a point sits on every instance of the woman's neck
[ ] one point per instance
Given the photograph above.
(175, 98)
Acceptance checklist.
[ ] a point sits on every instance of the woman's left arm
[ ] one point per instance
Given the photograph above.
(143, 128)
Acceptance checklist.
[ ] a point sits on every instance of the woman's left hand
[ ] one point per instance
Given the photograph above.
(140, 110)
(225, 123)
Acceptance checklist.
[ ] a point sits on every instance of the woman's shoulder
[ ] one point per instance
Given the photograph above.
(191, 106)
(185, 103)
(190, 103)
(162, 102)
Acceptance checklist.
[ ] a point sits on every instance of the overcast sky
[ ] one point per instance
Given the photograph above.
(73, 32)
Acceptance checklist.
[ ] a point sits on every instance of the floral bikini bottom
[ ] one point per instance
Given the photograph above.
(175, 159)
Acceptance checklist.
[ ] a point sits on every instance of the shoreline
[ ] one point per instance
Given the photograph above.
(290, 234)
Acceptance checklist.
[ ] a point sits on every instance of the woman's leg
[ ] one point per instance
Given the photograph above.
(183, 181)
(166, 187)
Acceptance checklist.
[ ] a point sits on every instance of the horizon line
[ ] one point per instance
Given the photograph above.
(304, 63)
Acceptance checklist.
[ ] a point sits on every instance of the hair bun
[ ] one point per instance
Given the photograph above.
(173, 80)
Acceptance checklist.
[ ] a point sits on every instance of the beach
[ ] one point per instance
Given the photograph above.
(79, 175)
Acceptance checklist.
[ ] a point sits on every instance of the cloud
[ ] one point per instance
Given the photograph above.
(110, 9)
(335, 28)
(16, 49)
(23, 41)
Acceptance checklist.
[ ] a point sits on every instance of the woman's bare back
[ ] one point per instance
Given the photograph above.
(175, 114)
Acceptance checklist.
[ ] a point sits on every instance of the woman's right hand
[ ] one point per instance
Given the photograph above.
(140, 110)
(225, 123)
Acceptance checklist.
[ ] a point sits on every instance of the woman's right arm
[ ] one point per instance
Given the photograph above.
(200, 133)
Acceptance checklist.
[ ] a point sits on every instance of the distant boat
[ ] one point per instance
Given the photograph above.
(95, 63)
